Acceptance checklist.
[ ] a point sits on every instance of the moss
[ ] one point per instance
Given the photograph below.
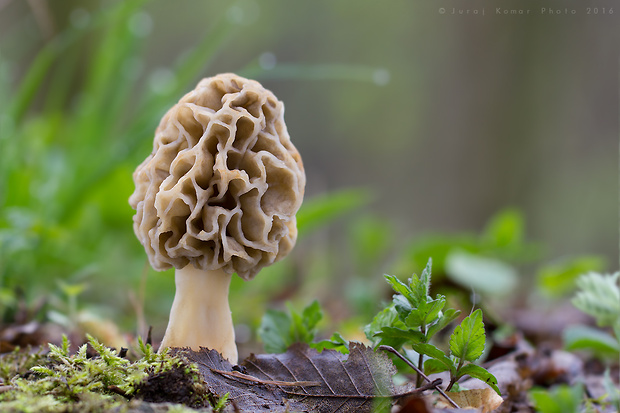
(98, 381)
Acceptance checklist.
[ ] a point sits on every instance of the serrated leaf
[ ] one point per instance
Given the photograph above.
(402, 307)
(420, 286)
(279, 330)
(398, 286)
(392, 334)
(435, 353)
(426, 314)
(425, 278)
(468, 339)
(599, 297)
(446, 318)
(479, 373)
(434, 309)
(303, 326)
(312, 314)
(386, 317)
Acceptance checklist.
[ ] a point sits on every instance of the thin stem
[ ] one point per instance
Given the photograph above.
(455, 377)
(413, 366)
(418, 381)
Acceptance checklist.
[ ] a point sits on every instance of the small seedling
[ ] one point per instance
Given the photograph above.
(279, 330)
(414, 317)
(599, 296)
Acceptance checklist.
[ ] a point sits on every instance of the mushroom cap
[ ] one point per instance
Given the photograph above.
(224, 182)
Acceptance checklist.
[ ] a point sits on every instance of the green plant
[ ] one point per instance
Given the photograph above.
(598, 296)
(62, 381)
(414, 317)
(561, 399)
(279, 330)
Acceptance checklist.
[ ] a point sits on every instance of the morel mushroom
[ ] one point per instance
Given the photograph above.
(217, 196)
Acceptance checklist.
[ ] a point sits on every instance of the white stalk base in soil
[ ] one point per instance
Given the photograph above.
(200, 314)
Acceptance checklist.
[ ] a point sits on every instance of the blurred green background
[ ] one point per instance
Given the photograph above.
(415, 127)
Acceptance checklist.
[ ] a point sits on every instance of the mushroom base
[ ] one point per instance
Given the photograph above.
(200, 314)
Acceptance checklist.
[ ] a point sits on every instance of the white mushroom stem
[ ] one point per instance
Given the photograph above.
(200, 314)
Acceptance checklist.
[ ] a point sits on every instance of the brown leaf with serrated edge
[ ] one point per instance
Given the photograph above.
(303, 379)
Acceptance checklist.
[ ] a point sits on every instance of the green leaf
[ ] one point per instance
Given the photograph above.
(420, 286)
(312, 314)
(386, 317)
(398, 286)
(599, 297)
(417, 290)
(397, 334)
(336, 342)
(303, 326)
(274, 331)
(219, 406)
(484, 275)
(581, 337)
(468, 339)
(446, 318)
(435, 353)
(427, 314)
(479, 373)
(278, 330)
(402, 306)
(432, 366)
(558, 278)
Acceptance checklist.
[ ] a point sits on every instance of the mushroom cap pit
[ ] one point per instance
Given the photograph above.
(223, 183)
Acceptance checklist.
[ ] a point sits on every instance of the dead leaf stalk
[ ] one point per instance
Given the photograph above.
(420, 373)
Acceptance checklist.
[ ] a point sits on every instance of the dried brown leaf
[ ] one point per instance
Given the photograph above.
(303, 379)
(486, 400)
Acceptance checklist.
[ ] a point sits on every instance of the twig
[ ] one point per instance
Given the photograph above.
(118, 390)
(257, 380)
(333, 395)
(420, 372)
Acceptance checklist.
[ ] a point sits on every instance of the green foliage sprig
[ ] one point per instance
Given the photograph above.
(414, 317)
(598, 296)
(279, 330)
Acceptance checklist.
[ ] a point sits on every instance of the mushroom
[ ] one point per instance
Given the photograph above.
(218, 195)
